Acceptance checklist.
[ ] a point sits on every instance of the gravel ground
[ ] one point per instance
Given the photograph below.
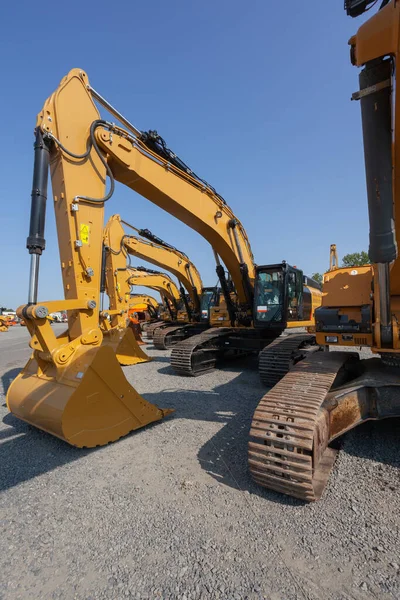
(170, 511)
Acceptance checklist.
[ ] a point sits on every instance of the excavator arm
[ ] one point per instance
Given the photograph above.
(162, 255)
(156, 281)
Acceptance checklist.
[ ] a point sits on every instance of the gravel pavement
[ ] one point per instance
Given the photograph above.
(170, 511)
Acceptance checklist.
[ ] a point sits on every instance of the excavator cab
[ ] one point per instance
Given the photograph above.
(278, 295)
(209, 298)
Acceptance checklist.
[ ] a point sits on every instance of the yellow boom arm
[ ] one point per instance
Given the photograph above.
(156, 281)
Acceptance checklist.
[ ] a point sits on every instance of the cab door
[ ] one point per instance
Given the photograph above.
(294, 294)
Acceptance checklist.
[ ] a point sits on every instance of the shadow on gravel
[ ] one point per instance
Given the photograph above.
(224, 456)
(31, 452)
(8, 378)
(375, 440)
(232, 404)
(161, 359)
(236, 364)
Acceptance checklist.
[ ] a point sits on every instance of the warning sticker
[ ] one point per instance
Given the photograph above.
(84, 233)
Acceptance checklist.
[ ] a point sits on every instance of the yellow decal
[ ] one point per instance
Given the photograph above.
(84, 231)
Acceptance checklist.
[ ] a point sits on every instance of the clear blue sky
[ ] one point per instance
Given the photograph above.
(254, 96)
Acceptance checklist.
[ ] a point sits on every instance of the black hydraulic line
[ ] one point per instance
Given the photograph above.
(146, 233)
(186, 303)
(196, 303)
(167, 304)
(247, 286)
(173, 299)
(152, 311)
(226, 292)
(93, 127)
(36, 242)
(244, 270)
(145, 270)
(157, 144)
(104, 251)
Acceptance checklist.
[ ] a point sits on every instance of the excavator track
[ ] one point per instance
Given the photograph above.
(166, 337)
(160, 337)
(198, 354)
(276, 359)
(149, 331)
(288, 447)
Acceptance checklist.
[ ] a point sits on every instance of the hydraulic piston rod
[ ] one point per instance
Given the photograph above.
(36, 242)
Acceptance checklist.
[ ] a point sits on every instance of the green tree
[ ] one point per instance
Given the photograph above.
(355, 259)
(317, 277)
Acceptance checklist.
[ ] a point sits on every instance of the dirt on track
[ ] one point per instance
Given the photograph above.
(171, 512)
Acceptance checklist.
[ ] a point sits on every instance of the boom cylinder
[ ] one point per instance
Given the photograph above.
(376, 114)
(36, 242)
(185, 302)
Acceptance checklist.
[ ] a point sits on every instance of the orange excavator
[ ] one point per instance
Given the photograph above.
(330, 393)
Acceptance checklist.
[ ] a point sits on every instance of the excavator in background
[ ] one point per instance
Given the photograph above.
(117, 277)
(330, 393)
(165, 286)
(75, 377)
(146, 307)
(141, 312)
(4, 323)
(154, 250)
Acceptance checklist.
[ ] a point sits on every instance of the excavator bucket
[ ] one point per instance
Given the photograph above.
(87, 403)
(125, 346)
(134, 326)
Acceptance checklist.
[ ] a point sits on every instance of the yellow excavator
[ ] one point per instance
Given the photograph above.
(145, 306)
(164, 285)
(4, 321)
(75, 377)
(72, 386)
(142, 309)
(156, 251)
(329, 393)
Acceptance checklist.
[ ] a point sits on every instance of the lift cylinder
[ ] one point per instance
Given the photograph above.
(375, 98)
(36, 242)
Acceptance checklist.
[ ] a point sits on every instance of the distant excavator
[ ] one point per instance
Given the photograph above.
(164, 285)
(158, 252)
(146, 307)
(4, 321)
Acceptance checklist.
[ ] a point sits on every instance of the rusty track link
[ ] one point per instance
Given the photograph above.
(276, 359)
(288, 447)
(198, 354)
